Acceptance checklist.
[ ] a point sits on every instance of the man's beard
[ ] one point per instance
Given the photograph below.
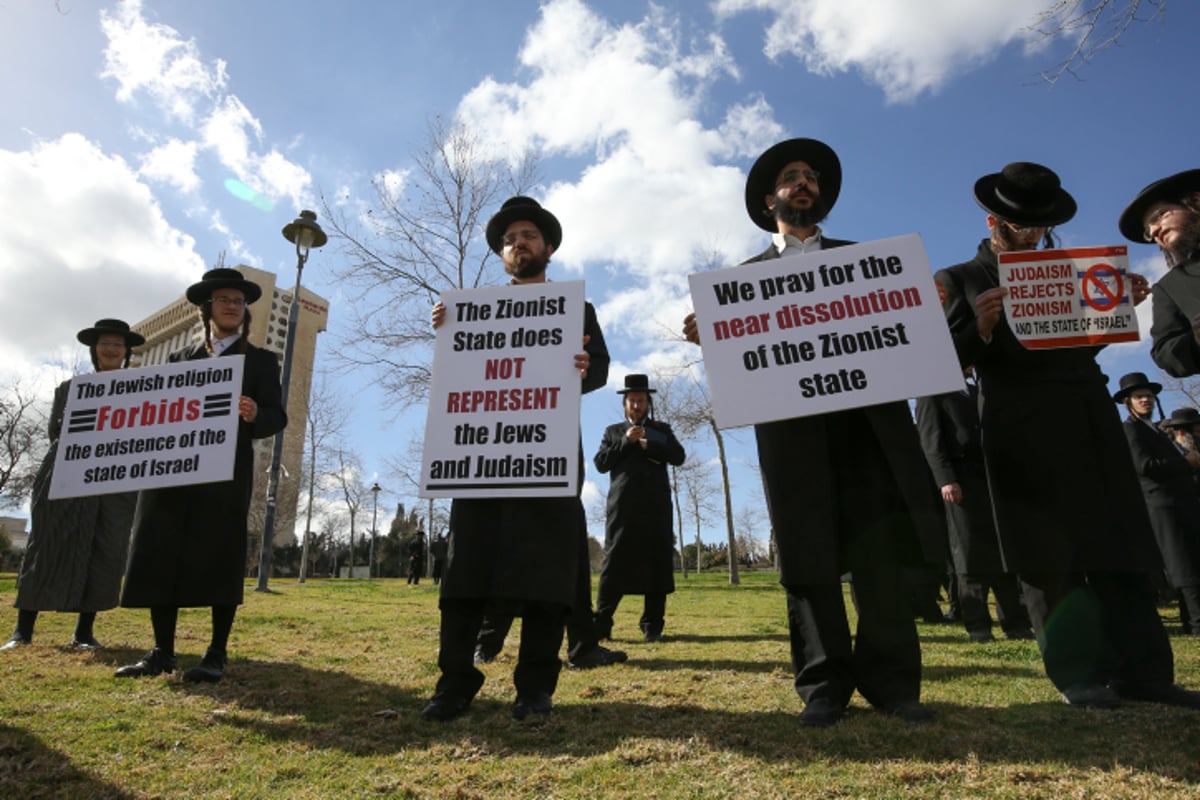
(532, 266)
(785, 214)
(1187, 246)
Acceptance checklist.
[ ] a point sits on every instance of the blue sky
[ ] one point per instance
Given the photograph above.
(123, 120)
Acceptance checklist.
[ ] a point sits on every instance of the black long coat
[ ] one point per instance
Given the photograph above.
(77, 545)
(639, 539)
(949, 429)
(1175, 303)
(1061, 479)
(189, 542)
(523, 548)
(1171, 500)
(807, 514)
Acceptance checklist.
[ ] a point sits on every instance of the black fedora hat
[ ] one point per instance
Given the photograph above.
(1133, 381)
(222, 278)
(1025, 193)
(120, 327)
(1181, 418)
(1172, 189)
(636, 383)
(522, 208)
(761, 180)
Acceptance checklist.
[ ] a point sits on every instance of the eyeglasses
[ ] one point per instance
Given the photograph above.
(528, 235)
(235, 302)
(1155, 217)
(797, 175)
(1022, 229)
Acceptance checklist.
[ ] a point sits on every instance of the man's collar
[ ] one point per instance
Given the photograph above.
(783, 241)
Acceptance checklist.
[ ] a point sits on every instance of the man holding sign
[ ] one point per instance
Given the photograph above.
(1068, 508)
(847, 490)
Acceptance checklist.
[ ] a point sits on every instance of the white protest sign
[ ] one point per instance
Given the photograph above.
(1069, 298)
(834, 329)
(146, 428)
(503, 417)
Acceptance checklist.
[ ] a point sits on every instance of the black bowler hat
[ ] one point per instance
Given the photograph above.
(1182, 418)
(522, 208)
(761, 180)
(89, 336)
(636, 383)
(222, 278)
(1025, 194)
(1132, 382)
(1171, 189)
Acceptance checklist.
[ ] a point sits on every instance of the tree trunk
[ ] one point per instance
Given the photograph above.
(731, 538)
(679, 516)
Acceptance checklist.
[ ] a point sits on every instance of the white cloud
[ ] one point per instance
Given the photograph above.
(905, 48)
(174, 164)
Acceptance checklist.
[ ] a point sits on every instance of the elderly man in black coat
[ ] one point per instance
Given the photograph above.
(847, 491)
(189, 542)
(1170, 491)
(1069, 512)
(639, 539)
(515, 556)
(1167, 212)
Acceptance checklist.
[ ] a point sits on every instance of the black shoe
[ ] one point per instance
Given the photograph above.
(88, 643)
(443, 708)
(210, 669)
(1091, 695)
(1020, 636)
(536, 703)
(15, 642)
(910, 711)
(483, 656)
(821, 712)
(1169, 694)
(598, 656)
(654, 637)
(156, 662)
(979, 637)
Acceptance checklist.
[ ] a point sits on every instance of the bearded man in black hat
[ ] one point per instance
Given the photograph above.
(1069, 512)
(521, 556)
(1167, 212)
(189, 542)
(846, 491)
(639, 539)
(1170, 492)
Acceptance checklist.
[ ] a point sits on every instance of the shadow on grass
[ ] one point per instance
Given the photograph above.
(30, 770)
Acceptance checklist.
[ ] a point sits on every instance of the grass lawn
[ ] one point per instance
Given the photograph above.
(326, 682)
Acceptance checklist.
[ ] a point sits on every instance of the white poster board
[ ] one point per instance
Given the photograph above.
(816, 332)
(1072, 297)
(503, 418)
(150, 427)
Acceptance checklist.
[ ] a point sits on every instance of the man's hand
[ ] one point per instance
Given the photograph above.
(691, 331)
(583, 360)
(952, 492)
(1139, 287)
(439, 314)
(989, 305)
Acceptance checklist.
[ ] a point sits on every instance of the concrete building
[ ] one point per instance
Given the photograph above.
(178, 325)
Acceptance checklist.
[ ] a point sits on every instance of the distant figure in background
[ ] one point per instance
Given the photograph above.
(1183, 428)
(416, 558)
(76, 551)
(437, 551)
(639, 539)
(1170, 492)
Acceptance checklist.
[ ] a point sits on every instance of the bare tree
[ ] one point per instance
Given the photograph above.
(1096, 26)
(749, 520)
(23, 443)
(421, 235)
(348, 478)
(695, 476)
(326, 420)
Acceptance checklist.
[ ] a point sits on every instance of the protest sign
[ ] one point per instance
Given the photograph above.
(146, 428)
(503, 417)
(1069, 298)
(841, 328)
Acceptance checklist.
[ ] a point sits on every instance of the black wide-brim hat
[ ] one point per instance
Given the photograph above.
(1181, 418)
(636, 383)
(1132, 382)
(522, 208)
(1172, 189)
(1025, 193)
(761, 181)
(222, 278)
(89, 336)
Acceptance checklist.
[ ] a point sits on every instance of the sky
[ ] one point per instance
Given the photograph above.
(125, 122)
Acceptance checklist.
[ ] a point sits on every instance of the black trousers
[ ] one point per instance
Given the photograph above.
(1189, 609)
(654, 611)
(972, 598)
(1098, 627)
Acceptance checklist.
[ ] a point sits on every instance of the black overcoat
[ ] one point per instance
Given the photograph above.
(1062, 483)
(189, 542)
(639, 539)
(523, 548)
(806, 513)
(1170, 498)
(1175, 303)
(949, 429)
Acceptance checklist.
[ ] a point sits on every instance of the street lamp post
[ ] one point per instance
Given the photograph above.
(375, 490)
(305, 233)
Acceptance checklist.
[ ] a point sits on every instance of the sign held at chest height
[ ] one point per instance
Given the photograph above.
(817, 332)
(503, 417)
